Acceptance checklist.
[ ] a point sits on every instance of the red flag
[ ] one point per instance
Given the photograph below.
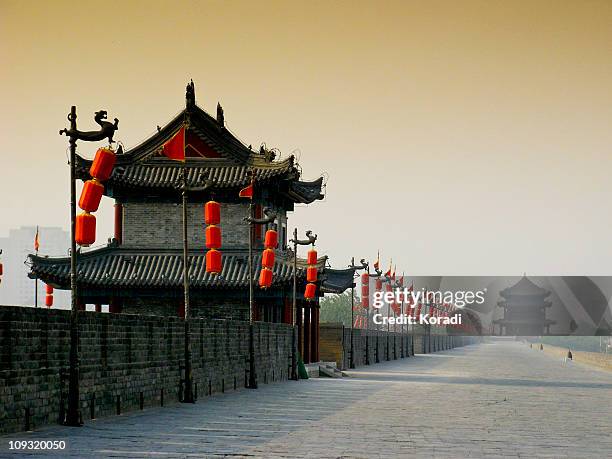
(246, 192)
(377, 262)
(388, 273)
(175, 147)
(36, 241)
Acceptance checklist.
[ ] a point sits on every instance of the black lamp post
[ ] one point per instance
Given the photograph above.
(356, 268)
(252, 221)
(398, 285)
(377, 274)
(311, 239)
(184, 188)
(107, 130)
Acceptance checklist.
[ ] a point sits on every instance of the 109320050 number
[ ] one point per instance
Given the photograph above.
(36, 445)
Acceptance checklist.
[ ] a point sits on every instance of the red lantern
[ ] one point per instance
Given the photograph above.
(85, 229)
(378, 284)
(311, 274)
(365, 301)
(91, 195)
(213, 237)
(49, 289)
(265, 278)
(311, 259)
(49, 301)
(213, 261)
(103, 163)
(212, 213)
(267, 259)
(1, 269)
(311, 289)
(365, 284)
(271, 239)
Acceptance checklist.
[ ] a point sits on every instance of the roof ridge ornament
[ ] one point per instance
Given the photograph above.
(220, 115)
(190, 95)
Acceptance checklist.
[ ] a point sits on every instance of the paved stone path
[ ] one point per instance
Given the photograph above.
(487, 401)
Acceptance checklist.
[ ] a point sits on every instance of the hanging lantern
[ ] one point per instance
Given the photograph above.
(271, 239)
(365, 302)
(49, 289)
(365, 290)
(311, 289)
(91, 195)
(49, 301)
(213, 261)
(213, 237)
(212, 213)
(312, 257)
(378, 284)
(311, 274)
(267, 259)
(1, 270)
(85, 229)
(265, 278)
(103, 163)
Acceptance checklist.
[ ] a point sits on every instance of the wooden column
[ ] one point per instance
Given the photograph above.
(114, 306)
(287, 319)
(315, 334)
(307, 334)
(119, 222)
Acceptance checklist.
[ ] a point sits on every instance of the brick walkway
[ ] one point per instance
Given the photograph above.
(491, 400)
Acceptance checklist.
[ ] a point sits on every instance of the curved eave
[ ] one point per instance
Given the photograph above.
(337, 280)
(306, 192)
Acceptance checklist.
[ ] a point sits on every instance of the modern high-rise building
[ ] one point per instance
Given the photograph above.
(16, 287)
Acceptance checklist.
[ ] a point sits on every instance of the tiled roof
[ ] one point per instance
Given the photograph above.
(167, 174)
(524, 287)
(128, 268)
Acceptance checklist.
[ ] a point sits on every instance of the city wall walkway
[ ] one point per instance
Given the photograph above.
(489, 400)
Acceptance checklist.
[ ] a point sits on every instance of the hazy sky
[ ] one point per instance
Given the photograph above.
(460, 137)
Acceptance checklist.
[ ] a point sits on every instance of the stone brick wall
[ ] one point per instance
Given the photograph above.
(221, 308)
(127, 361)
(161, 225)
(335, 344)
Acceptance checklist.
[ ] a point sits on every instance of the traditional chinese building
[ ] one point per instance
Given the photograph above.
(525, 307)
(140, 271)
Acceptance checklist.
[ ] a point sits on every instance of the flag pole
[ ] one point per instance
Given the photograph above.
(36, 277)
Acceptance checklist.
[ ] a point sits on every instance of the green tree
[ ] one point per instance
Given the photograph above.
(337, 308)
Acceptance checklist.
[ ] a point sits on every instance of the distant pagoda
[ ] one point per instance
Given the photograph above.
(140, 271)
(525, 307)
